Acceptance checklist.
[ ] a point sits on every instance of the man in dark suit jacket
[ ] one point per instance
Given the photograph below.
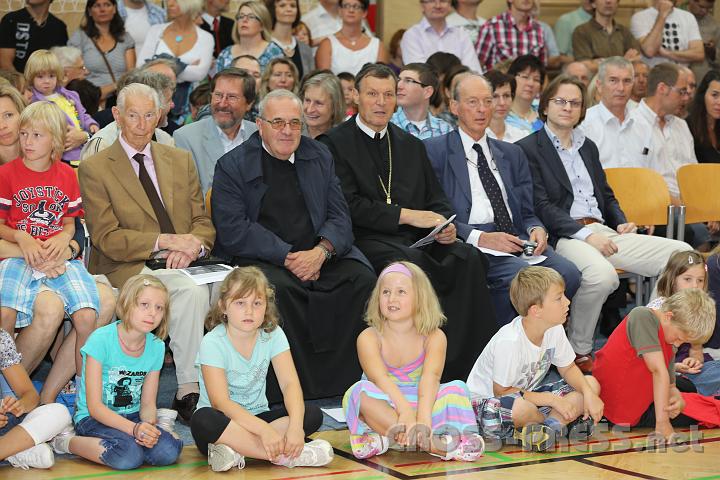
(502, 182)
(395, 199)
(216, 24)
(277, 204)
(585, 222)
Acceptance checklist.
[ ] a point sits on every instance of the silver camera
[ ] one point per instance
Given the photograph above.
(529, 248)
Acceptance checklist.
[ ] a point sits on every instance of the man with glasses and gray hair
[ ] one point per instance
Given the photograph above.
(143, 201)
(232, 95)
(277, 204)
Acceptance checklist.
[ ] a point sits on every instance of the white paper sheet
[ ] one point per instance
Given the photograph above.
(430, 237)
(534, 260)
(337, 414)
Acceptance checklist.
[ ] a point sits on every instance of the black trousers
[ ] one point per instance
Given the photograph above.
(458, 275)
(321, 320)
(648, 419)
(208, 424)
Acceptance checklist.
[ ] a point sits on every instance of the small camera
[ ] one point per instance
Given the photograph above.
(529, 248)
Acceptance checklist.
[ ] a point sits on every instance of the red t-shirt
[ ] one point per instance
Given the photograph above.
(36, 202)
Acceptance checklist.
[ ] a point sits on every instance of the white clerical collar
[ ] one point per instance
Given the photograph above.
(291, 159)
(369, 131)
(209, 19)
(468, 142)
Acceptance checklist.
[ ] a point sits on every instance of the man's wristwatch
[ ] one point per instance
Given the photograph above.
(73, 252)
(328, 253)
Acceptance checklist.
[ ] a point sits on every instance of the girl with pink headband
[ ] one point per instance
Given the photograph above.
(400, 400)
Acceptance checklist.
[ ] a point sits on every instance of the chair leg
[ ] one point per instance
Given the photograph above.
(639, 291)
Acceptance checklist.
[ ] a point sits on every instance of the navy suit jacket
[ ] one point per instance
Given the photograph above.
(237, 194)
(553, 191)
(448, 159)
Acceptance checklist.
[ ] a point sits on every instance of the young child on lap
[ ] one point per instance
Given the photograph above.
(506, 380)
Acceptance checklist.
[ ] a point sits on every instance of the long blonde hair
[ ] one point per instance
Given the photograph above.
(128, 299)
(241, 282)
(428, 314)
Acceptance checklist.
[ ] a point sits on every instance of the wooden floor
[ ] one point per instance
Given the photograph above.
(607, 456)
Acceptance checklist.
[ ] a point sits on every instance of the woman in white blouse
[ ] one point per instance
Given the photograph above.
(183, 40)
(350, 48)
(503, 87)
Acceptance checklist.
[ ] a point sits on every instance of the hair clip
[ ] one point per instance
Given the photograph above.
(146, 282)
(690, 260)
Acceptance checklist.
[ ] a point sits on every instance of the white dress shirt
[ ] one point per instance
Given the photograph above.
(228, 143)
(609, 134)
(481, 210)
(662, 149)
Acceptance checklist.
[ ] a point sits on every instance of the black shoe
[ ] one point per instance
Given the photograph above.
(186, 406)
(580, 430)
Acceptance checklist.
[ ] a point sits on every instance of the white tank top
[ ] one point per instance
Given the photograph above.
(346, 60)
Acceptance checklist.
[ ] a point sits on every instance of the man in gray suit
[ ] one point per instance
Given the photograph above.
(233, 93)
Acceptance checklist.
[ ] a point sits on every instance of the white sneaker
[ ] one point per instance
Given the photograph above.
(61, 442)
(39, 456)
(222, 458)
(314, 454)
(166, 419)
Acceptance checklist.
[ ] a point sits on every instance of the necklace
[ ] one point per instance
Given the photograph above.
(178, 38)
(353, 42)
(388, 189)
(125, 346)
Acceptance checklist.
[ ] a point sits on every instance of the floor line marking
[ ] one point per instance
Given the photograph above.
(373, 465)
(125, 472)
(313, 475)
(611, 468)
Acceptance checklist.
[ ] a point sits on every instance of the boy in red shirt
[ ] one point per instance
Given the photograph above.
(636, 367)
(39, 198)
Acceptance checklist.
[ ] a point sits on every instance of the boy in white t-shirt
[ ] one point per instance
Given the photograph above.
(506, 381)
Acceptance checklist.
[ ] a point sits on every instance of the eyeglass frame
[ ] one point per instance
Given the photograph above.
(250, 16)
(561, 102)
(411, 80)
(274, 122)
(357, 7)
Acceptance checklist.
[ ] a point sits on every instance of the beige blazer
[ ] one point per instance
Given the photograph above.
(122, 224)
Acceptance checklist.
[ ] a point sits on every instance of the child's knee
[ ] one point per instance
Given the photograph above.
(524, 412)
(166, 451)
(122, 453)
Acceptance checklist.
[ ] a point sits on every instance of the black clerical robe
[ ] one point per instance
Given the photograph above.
(457, 271)
(264, 208)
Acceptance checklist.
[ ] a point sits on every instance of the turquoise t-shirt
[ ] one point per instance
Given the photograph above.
(122, 375)
(245, 378)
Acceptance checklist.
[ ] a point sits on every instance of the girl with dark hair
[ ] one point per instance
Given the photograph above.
(285, 15)
(704, 118)
(107, 51)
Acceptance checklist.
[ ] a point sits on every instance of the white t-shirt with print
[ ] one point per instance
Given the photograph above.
(679, 30)
(510, 359)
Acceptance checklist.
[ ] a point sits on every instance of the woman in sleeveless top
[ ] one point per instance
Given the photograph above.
(350, 48)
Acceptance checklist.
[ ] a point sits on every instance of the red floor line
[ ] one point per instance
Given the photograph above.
(324, 474)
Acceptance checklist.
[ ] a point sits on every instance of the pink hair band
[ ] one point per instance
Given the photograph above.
(396, 268)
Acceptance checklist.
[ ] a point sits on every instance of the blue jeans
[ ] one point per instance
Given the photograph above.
(707, 382)
(121, 450)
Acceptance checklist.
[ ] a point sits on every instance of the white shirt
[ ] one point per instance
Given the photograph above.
(510, 359)
(202, 50)
(605, 129)
(322, 24)
(481, 210)
(680, 29)
(228, 143)
(512, 134)
(137, 24)
(470, 27)
(664, 150)
(422, 40)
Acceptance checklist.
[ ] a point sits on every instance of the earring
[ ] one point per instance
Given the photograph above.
(224, 316)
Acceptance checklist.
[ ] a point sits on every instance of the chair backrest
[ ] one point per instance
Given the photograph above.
(208, 208)
(698, 190)
(642, 193)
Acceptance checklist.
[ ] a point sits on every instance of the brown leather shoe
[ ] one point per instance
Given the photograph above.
(186, 406)
(584, 362)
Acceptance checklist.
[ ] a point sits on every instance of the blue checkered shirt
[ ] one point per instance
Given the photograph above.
(434, 127)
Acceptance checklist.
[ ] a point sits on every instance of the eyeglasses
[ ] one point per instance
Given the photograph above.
(474, 103)
(561, 102)
(230, 97)
(279, 123)
(249, 16)
(528, 78)
(407, 80)
(352, 7)
(441, 2)
(682, 91)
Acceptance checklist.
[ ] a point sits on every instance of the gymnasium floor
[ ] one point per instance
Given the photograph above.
(606, 456)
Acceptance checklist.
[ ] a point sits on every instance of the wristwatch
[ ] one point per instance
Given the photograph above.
(73, 252)
(328, 254)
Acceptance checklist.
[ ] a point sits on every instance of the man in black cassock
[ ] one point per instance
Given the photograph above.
(395, 199)
(277, 204)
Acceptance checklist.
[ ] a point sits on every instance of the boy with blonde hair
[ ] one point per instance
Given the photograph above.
(509, 397)
(643, 348)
